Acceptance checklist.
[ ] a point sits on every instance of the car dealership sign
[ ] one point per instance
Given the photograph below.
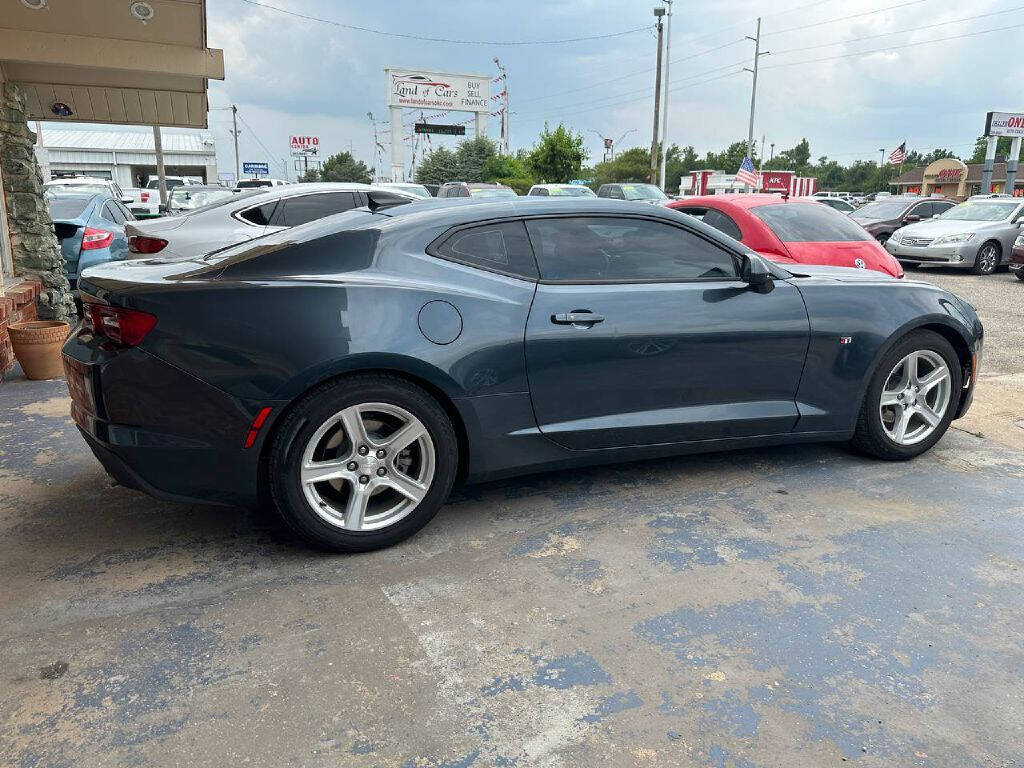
(1004, 124)
(305, 146)
(413, 88)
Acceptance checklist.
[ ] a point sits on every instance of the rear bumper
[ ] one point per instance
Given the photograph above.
(157, 429)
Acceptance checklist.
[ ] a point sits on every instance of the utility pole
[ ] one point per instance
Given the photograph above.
(881, 165)
(758, 53)
(772, 150)
(158, 148)
(658, 13)
(760, 164)
(664, 114)
(234, 133)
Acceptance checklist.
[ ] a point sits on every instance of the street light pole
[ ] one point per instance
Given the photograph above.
(234, 133)
(664, 114)
(658, 13)
(881, 165)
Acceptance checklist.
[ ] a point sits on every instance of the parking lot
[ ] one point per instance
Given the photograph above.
(780, 607)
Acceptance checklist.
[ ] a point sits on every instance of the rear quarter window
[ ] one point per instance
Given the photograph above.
(499, 247)
(810, 223)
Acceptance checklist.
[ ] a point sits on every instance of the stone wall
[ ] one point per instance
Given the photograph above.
(34, 247)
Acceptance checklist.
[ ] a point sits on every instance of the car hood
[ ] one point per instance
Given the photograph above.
(937, 227)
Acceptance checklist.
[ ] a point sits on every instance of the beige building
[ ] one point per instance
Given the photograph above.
(954, 179)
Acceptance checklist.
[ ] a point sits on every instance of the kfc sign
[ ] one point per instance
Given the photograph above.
(305, 146)
(776, 181)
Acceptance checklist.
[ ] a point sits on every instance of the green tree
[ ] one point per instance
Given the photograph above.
(310, 175)
(1002, 149)
(558, 155)
(437, 167)
(729, 160)
(632, 165)
(795, 159)
(471, 157)
(344, 167)
(678, 163)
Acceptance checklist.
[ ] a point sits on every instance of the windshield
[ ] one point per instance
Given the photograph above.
(810, 223)
(980, 210)
(169, 183)
(573, 190)
(412, 189)
(642, 192)
(887, 210)
(186, 198)
(69, 207)
(495, 192)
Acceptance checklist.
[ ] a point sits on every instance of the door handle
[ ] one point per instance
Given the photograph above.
(580, 318)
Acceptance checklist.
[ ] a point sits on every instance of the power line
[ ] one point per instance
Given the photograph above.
(895, 47)
(845, 18)
(385, 33)
(898, 31)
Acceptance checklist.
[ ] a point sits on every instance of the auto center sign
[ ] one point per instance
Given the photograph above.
(305, 146)
(418, 89)
(1004, 124)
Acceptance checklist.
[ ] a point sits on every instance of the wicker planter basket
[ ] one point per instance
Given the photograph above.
(37, 345)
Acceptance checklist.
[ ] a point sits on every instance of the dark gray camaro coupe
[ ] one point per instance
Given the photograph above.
(351, 369)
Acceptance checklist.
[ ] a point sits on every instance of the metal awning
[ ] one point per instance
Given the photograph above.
(110, 61)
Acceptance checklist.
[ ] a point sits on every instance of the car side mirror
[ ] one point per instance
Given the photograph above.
(755, 274)
(911, 218)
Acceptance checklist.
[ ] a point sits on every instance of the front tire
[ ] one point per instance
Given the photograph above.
(987, 260)
(911, 398)
(362, 463)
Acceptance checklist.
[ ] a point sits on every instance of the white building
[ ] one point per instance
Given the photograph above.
(125, 156)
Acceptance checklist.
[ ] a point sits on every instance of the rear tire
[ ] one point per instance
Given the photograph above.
(988, 258)
(1020, 275)
(928, 409)
(376, 492)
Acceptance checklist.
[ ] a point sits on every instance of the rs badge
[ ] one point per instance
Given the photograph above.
(859, 263)
(844, 340)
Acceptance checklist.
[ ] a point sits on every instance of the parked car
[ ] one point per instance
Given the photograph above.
(884, 217)
(413, 189)
(143, 202)
(1017, 258)
(560, 190)
(170, 182)
(478, 190)
(188, 198)
(978, 235)
(89, 227)
(87, 184)
(794, 231)
(648, 193)
(349, 370)
(835, 203)
(259, 183)
(253, 214)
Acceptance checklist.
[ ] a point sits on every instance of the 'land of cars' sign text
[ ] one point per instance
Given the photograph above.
(438, 90)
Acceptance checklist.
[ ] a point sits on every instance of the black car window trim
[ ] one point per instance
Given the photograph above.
(432, 248)
(736, 257)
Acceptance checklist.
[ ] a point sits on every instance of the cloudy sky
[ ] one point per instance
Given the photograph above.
(914, 81)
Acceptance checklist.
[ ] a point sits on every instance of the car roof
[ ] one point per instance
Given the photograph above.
(78, 180)
(553, 186)
(746, 201)
(198, 187)
(266, 194)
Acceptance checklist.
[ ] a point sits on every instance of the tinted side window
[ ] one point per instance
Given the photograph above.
(501, 247)
(539, 192)
(722, 223)
(261, 214)
(924, 210)
(293, 211)
(938, 208)
(615, 193)
(612, 249)
(110, 213)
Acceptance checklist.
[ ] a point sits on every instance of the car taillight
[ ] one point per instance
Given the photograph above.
(96, 238)
(119, 324)
(145, 197)
(143, 244)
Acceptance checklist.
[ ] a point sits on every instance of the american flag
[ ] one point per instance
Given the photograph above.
(746, 174)
(898, 155)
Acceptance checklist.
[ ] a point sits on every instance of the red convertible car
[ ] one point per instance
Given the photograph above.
(792, 231)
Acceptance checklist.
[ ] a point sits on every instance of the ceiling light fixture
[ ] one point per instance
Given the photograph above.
(35, 5)
(142, 11)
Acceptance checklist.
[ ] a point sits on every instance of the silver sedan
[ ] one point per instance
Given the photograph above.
(253, 214)
(978, 234)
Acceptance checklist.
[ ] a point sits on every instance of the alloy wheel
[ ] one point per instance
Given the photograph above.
(367, 467)
(915, 397)
(987, 259)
